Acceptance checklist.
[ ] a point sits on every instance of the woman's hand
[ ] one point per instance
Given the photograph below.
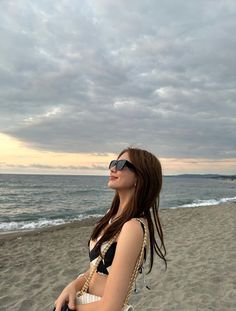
(68, 295)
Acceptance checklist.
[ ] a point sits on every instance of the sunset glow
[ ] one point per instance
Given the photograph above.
(17, 157)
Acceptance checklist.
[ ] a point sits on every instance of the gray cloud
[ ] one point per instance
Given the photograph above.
(95, 77)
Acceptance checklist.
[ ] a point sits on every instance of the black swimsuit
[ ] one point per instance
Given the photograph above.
(105, 264)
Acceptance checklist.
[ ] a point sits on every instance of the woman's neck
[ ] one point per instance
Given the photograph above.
(125, 198)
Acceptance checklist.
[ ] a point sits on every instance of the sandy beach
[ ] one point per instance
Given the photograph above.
(201, 274)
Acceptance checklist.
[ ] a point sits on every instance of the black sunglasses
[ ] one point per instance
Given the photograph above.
(120, 164)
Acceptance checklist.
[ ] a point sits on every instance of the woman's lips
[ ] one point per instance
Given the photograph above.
(112, 177)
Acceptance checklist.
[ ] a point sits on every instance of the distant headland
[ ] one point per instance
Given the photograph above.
(215, 176)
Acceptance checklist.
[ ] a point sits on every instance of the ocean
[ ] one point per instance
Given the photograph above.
(37, 201)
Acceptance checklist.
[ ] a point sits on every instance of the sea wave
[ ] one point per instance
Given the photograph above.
(198, 203)
(41, 223)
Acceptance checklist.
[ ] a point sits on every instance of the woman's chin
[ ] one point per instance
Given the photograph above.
(111, 185)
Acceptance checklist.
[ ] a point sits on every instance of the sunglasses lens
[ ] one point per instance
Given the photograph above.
(112, 164)
(120, 165)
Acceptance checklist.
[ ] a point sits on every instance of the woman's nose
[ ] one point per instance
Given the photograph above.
(113, 169)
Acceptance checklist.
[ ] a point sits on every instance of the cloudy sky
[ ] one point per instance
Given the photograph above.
(81, 80)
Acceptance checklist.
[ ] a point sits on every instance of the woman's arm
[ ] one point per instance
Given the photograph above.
(128, 248)
(69, 292)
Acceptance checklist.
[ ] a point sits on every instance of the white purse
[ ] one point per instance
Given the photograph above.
(87, 298)
(84, 297)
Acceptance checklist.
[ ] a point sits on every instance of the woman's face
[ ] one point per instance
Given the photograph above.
(124, 179)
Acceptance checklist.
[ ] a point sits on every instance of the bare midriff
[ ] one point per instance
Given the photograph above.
(97, 284)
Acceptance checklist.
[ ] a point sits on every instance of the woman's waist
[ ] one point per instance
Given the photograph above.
(97, 284)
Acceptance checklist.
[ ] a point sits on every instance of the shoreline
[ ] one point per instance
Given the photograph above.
(84, 222)
(8, 235)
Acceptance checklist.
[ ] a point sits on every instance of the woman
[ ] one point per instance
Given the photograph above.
(136, 177)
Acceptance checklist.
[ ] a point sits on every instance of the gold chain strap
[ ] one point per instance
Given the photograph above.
(138, 263)
(134, 274)
(86, 284)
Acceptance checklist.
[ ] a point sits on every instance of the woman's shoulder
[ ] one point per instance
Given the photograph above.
(133, 227)
(130, 237)
(138, 226)
(139, 220)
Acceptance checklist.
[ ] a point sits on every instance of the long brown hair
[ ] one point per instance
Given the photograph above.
(144, 203)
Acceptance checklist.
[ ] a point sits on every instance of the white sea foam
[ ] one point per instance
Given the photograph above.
(41, 223)
(198, 203)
